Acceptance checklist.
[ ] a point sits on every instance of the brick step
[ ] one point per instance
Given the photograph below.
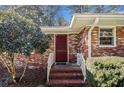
(66, 76)
(66, 83)
(69, 75)
(66, 70)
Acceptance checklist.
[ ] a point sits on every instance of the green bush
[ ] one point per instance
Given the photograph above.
(105, 71)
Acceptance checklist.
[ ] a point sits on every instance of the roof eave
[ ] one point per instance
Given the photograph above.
(80, 17)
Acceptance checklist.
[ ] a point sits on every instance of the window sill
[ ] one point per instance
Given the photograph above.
(107, 46)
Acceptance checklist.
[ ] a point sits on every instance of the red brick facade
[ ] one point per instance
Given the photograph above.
(78, 43)
(73, 40)
(83, 42)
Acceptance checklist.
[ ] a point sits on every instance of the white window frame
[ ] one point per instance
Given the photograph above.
(114, 32)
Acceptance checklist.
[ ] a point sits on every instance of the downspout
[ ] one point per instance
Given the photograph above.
(89, 36)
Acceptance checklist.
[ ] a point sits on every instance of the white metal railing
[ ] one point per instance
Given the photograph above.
(81, 62)
(49, 65)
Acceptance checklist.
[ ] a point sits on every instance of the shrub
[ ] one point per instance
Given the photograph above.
(19, 35)
(105, 71)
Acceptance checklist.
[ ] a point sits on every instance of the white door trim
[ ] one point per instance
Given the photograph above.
(67, 48)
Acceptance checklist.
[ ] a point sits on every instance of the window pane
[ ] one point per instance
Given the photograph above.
(106, 32)
(106, 40)
(106, 36)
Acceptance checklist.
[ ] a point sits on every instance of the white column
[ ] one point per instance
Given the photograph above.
(89, 44)
(89, 37)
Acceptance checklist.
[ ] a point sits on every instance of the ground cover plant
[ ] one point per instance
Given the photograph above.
(105, 71)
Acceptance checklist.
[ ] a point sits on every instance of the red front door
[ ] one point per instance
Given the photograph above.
(61, 48)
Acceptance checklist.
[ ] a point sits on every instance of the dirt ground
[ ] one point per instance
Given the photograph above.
(35, 76)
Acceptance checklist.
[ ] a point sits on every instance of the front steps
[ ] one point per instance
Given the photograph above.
(66, 76)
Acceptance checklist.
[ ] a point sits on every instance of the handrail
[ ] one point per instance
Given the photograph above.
(50, 63)
(81, 63)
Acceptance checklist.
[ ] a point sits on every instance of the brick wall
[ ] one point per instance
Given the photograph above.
(78, 43)
(83, 42)
(108, 51)
(73, 40)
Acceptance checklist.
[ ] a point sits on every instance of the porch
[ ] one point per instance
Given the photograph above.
(66, 67)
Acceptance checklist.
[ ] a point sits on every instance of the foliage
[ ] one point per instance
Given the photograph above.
(62, 22)
(19, 35)
(106, 71)
(13, 36)
(50, 15)
(80, 8)
(94, 9)
(42, 15)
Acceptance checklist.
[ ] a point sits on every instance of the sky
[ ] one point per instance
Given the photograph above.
(66, 13)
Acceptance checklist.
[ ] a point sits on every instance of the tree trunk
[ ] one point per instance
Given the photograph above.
(13, 68)
(25, 67)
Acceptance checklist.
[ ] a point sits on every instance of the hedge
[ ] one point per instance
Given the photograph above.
(105, 71)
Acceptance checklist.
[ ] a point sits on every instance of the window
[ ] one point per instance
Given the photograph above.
(107, 37)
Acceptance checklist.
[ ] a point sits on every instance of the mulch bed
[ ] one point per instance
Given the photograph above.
(35, 76)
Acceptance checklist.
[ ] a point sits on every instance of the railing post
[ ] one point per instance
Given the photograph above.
(78, 59)
(81, 62)
(49, 65)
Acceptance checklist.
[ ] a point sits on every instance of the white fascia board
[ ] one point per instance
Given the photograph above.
(55, 28)
(100, 15)
(72, 21)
